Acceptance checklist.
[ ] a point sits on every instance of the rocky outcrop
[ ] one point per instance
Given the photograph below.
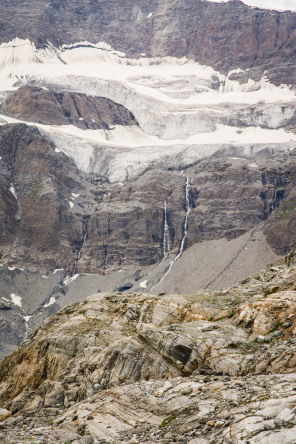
(188, 367)
(247, 37)
(42, 106)
(36, 185)
(122, 224)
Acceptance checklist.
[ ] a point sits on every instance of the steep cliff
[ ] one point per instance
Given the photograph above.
(223, 35)
(47, 107)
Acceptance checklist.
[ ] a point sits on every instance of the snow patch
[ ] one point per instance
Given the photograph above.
(71, 204)
(278, 5)
(70, 279)
(12, 190)
(16, 300)
(58, 269)
(143, 284)
(51, 302)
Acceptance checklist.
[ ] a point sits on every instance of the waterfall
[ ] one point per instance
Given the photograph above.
(188, 209)
(80, 251)
(167, 244)
(185, 230)
(273, 203)
(27, 325)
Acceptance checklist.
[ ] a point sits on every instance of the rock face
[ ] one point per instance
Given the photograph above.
(193, 365)
(54, 216)
(247, 37)
(124, 224)
(47, 107)
(35, 200)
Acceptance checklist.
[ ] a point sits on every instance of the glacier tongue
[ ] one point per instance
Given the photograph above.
(185, 111)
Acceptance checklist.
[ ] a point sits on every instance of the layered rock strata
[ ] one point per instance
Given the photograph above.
(193, 365)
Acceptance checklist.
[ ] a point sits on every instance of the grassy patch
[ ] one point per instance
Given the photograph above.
(166, 421)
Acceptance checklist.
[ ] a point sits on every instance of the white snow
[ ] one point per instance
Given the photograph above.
(16, 300)
(279, 5)
(143, 284)
(74, 196)
(119, 162)
(70, 279)
(183, 116)
(11, 268)
(51, 302)
(27, 318)
(71, 204)
(58, 269)
(12, 190)
(149, 15)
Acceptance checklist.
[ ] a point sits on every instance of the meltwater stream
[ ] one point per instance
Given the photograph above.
(167, 244)
(80, 251)
(188, 209)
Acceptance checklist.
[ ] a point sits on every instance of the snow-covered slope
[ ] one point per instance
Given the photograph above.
(185, 111)
(278, 5)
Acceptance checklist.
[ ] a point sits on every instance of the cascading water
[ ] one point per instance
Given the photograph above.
(188, 209)
(274, 200)
(27, 325)
(167, 244)
(80, 251)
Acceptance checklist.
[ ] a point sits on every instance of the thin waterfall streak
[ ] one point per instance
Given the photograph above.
(185, 230)
(80, 251)
(167, 245)
(274, 200)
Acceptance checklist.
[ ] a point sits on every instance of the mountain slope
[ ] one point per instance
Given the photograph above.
(171, 357)
(126, 165)
(223, 35)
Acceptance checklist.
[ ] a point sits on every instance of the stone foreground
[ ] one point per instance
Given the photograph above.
(214, 367)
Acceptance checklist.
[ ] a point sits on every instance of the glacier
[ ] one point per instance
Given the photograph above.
(185, 111)
(278, 5)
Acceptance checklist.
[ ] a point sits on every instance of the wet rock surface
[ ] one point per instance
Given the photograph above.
(210, 367)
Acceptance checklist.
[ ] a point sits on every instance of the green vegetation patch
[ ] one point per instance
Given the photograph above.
(166, 421)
